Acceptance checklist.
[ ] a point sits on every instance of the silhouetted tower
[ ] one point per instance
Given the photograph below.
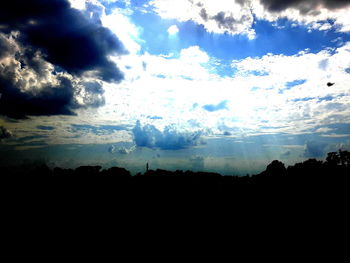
(147, 167)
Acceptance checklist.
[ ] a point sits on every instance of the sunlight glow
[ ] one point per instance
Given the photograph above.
(173, 30)
(128, 33)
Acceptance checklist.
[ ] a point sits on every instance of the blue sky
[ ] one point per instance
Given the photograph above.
(226, 86)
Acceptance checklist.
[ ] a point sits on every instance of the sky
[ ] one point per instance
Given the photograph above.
(223, 86)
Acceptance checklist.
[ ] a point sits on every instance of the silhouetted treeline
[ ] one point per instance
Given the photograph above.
(310, 175)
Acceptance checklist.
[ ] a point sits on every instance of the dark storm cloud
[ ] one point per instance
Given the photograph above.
(48, 100)
(4, 133)
(169, 139)
(29, 87)
(304, 6)
(66, 36)
(212, 107)
(45, 49)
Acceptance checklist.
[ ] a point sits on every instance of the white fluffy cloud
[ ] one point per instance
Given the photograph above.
(237, 17)
(127, 33)
(274, 93)
(311, 102)
(168, 139)
(223, 16)
(271, 94)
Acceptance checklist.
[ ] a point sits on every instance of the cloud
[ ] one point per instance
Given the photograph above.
(304, 6)
(29, 85)
(68, 38)
(54, 58)
(4, 133)
(312, 13)
(192, 64)
(124, 150)
(323, 130)
(218, 17)
(315, 149)
(45, 128)
(168, 139)
(111, 149)
(128, 33)
(238, 17)
(256, 102)
(154, 117)
(212, 107)
(49, 100)
(306, 100)
(98, 129)
(121, 150)
(231, 24)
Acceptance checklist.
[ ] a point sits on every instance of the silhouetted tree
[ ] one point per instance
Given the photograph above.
(333, 158)
(339, 158)
(344, 158)
(87, 171)
(276, 168)
(311, 176)
(116, 172)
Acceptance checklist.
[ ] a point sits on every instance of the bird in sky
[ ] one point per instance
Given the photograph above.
(329, 84)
